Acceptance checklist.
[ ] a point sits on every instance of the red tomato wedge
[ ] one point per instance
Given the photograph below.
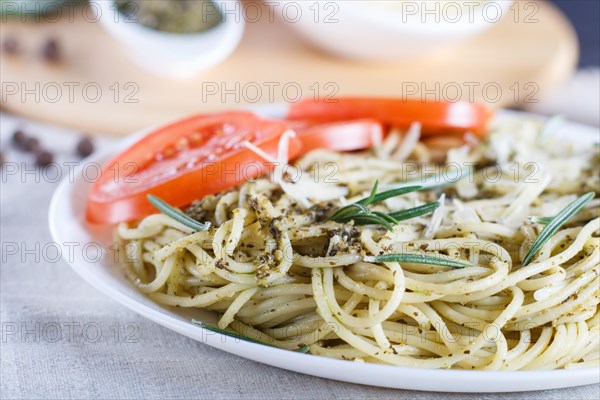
(435, 117)
(339, 136)
(182, 162)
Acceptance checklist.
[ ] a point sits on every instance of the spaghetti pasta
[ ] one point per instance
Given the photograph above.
(276, 270)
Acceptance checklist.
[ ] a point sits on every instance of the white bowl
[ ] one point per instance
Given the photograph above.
(381, 30)
(172, 54)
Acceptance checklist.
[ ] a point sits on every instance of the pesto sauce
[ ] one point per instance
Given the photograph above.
(173, 16)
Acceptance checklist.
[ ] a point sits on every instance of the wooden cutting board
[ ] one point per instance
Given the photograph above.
(96, 88)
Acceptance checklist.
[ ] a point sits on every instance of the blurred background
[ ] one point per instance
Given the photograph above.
(113, 67)
(585, 16)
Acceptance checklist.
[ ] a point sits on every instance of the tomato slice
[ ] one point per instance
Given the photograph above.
(339, 136)
(435, 117)
(182, 162)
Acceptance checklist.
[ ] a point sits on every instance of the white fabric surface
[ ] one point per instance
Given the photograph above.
(88, 359)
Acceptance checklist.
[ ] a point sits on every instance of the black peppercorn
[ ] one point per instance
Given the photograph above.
(51, 51)
(31, 144)
(85, 147)
(10, 45)
(43, 158)
(19, 138)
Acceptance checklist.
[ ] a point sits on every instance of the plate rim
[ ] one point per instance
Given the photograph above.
(437, 380)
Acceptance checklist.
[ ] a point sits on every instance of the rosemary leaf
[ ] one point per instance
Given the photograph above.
(371, 219)
(371, 198)
(344, 214)
(303, 349)
(228, 333)
(385, 216)
(379, 197)
(177, 215)
(415, 212)
(552, 226)
(416, 259)
(542, 220)
(432, 182)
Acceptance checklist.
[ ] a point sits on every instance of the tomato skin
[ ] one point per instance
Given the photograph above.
(120, 196)
(340, 136)
(435, 117)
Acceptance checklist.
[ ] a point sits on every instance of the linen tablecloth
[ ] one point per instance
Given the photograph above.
(62, 339)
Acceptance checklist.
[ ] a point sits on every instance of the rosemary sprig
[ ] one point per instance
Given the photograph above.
(362, 215)
(388, 194)
(432, 182)
(415, 259)
(555, 223)
(361, 206)
(177, 215)
(303, 349)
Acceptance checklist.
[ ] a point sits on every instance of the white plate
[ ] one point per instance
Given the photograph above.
(68, 226)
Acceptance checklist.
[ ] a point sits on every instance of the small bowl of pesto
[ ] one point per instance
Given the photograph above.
(174, 38)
